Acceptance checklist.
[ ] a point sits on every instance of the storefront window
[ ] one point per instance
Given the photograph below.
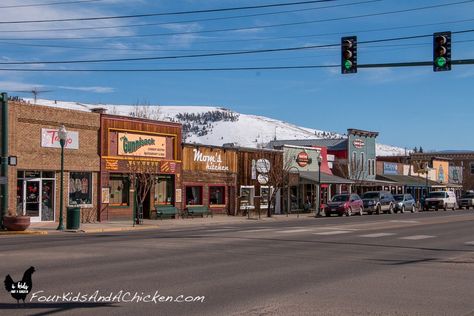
(80, 188)
(164, 188)
(217, 195)
(194, 195)
(247, 194)
(119, 190)
(47, 200)
(265, 193)
(35, 194)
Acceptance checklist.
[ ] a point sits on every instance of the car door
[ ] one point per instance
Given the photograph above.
(410, 202)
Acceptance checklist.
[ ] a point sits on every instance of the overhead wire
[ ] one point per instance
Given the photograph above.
(249, 28)
(46, 4)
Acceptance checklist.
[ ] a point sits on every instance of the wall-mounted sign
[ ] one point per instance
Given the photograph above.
(141, 145)
(178, 195)
(303, 159)
(111, 164)
(390, 168)
(254, 170)
(50, 138)
(262, 178)
(105, 195)
(263, 165)
(213, 160)
(358, 143)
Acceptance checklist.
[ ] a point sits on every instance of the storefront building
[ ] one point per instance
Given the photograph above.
(34, 183)
(259, 181)
(140, 165)
(210, 177)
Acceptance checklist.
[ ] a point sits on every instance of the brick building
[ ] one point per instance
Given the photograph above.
(34, 183)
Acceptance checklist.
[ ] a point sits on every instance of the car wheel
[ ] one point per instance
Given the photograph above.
(349, 212)
(378, 210)
(390, 209)
(403, 209)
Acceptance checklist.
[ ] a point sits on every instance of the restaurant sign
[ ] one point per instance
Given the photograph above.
(50, 138)
(141, 145)
(213, 160)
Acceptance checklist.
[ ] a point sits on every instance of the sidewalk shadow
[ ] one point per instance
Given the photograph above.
(51, 308)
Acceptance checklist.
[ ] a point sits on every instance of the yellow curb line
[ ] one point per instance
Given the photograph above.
(25, 232)
(118, 229)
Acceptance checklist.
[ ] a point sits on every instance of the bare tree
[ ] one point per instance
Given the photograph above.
(145, 110)
(142, 178)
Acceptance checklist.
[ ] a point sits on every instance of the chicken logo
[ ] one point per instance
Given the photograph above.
(19, 290)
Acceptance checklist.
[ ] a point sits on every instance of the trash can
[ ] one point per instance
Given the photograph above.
(73, 220)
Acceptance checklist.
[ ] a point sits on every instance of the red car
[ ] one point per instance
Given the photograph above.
(345, 204)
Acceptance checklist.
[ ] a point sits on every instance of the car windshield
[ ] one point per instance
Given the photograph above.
(437, 195)
(468, 196)
(371, 195)
(398, 197)
(340, 198)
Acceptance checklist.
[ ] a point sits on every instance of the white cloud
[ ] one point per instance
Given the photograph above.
(93, 89)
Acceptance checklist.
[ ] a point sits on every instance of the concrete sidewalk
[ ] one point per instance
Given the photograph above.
(44, 228)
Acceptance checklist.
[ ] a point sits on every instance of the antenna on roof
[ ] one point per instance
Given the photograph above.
(35, 91)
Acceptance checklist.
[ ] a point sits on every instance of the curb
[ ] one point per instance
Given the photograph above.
(111, 230)
(24, 232)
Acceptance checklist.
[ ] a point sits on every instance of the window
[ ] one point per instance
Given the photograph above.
(362, 162)
(119, 190)
(80, 188)
(472, 167)
(247, 194)
(265, 193)
(217, 195)
(194, 195)
(354, 162)
(164, 190)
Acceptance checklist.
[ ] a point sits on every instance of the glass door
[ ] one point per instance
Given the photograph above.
(32, 201)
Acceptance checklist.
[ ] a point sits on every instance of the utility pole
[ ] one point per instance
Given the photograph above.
(4, 157)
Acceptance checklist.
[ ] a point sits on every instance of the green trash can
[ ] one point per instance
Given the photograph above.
(73, 220)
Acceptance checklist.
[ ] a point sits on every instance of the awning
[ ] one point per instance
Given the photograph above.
(409, 181)
(326, 178)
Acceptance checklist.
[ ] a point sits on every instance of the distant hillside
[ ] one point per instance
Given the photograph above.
(217, 125)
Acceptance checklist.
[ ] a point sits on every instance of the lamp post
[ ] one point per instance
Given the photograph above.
(62, 133)
(318, 205)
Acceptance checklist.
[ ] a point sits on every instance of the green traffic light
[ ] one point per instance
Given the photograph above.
(440, 61)
(347, 64)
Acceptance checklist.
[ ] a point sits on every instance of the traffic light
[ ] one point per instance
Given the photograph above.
(442, 51)
(349, 55)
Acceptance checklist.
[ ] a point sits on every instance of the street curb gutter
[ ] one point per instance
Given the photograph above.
(110, 230)
(25, 232)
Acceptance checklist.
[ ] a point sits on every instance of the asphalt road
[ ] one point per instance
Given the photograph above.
(402, 264)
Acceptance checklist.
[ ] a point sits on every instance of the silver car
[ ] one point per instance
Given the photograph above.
(404, 202)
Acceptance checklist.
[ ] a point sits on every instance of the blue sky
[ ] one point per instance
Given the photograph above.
(409, 106)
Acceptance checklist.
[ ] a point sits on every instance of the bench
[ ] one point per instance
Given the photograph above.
(166, 211)
(198, 210)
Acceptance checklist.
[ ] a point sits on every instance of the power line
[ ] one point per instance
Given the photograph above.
(46, 4)
(245, 52)
(189, 21)
(248, 28)
(168, 13)
(378, 65)
(238, 40)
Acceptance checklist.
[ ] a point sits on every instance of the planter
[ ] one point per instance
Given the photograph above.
(16, 223)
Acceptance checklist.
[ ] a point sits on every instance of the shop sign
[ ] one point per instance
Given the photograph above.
(111, 164)
(213, 161)
(168, 167)
(50, 139)
(390, 168)
(263, 165)
(358, 143)
(303, 159)
(141, 145)
(262, 178)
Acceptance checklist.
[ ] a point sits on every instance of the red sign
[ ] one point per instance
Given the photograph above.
(358, 143)
(302, 159)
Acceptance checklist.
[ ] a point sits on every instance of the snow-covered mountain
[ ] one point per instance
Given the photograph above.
(216, 125)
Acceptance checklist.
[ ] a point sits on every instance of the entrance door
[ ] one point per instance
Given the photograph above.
(31, 199)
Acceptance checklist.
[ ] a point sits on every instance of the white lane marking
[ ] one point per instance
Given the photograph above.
(334, 232)
(403, 221)
(377, 235)
(417, 237)
(257, 230)
(469, 243)
(293, 231)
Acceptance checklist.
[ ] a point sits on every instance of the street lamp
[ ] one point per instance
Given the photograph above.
(318, 205)
(62, 134)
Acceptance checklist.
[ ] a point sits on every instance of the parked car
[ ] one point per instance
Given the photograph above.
(466, 200)
(440, 200)
(378, 201)
(345, 204)
(404, 202)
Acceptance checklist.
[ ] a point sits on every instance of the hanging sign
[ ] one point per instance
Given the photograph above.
(50, 138)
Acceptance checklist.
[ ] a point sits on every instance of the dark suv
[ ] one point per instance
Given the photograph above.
(378, 201)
